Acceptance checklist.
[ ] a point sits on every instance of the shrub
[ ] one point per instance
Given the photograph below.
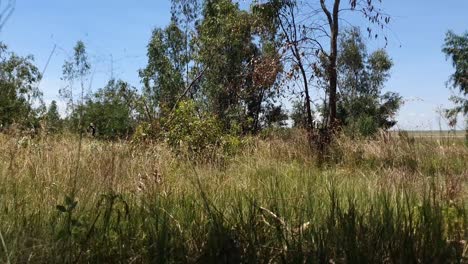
(147, 131)
(363, 126)
(191, 131)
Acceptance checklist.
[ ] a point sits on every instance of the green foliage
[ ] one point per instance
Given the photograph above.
(225, 47)
(275, 116)
(456, 48)
(112, 110)
(163, 77)
(241, 71)
(362, 107)
(188, 130)
(299, 115)
(363, 125)
(146, 131)
(216, 63)
(76, 69)
(18, 89)
(53, 119)
(268, 204)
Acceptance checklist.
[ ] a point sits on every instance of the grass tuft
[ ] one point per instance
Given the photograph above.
(393, 199)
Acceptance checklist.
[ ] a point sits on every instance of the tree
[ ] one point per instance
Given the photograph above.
(225, 49)
(18, 89)
(163, 77)
(186, 14)
(75, 69)
(306, 29)
(275, 116)
(54, 121)
(456, 48)
(299, 115)
(113, 110)
(240, 71)
(282, 14)
(361, 106)
(208, 56)
(333, 23)
(333, 17)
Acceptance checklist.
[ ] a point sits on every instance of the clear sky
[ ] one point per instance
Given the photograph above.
(116, 33)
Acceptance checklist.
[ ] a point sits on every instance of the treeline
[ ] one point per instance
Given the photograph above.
(217, 72)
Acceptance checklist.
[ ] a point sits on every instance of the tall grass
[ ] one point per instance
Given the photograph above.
(392, 200)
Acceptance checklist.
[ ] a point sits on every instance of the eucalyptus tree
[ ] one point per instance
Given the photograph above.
(222, 57)
(333, 13)
(187, 14)
(242, 64)
(19, 95)
(75, 69)
(163, 76)
(172, 71)
(295, 51)
(456, 49)
(361, 105)
(309, 32)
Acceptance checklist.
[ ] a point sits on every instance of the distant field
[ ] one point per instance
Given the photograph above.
(435, 133)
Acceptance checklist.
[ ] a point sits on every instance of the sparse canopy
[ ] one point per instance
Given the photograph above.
(75, 69)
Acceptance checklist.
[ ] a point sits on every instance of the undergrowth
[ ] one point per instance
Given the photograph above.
(385, 200)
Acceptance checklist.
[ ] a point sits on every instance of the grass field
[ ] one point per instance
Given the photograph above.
(434, 133)
(389, 200)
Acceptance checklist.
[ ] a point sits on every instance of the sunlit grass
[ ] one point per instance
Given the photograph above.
(393, 200)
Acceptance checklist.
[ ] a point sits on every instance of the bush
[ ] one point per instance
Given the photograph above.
(147, 131)
(364, 126)
(190, 131)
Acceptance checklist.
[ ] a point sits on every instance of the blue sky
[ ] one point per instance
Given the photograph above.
(120, 30)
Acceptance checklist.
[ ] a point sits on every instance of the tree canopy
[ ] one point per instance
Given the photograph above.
(19, 78)
(456, 49)
(237, 66)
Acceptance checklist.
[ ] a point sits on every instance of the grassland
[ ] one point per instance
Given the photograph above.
(393, 199)
(436, 134)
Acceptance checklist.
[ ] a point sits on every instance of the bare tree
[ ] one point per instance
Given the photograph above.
(295, 46)
(294, 42)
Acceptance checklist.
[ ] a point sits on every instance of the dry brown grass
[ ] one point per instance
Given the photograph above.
(279, 174)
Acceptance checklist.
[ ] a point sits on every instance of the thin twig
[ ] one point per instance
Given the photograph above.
(5, 248)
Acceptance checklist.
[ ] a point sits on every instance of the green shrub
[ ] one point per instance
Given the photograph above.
(190, 131)
(364, 126)
(146, 131)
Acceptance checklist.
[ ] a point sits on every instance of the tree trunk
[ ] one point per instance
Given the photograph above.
(334, 28)
(310, 120)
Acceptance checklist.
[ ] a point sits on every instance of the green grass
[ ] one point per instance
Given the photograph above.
(389, 200)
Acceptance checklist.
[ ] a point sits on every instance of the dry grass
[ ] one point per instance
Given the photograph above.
(270, 203)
